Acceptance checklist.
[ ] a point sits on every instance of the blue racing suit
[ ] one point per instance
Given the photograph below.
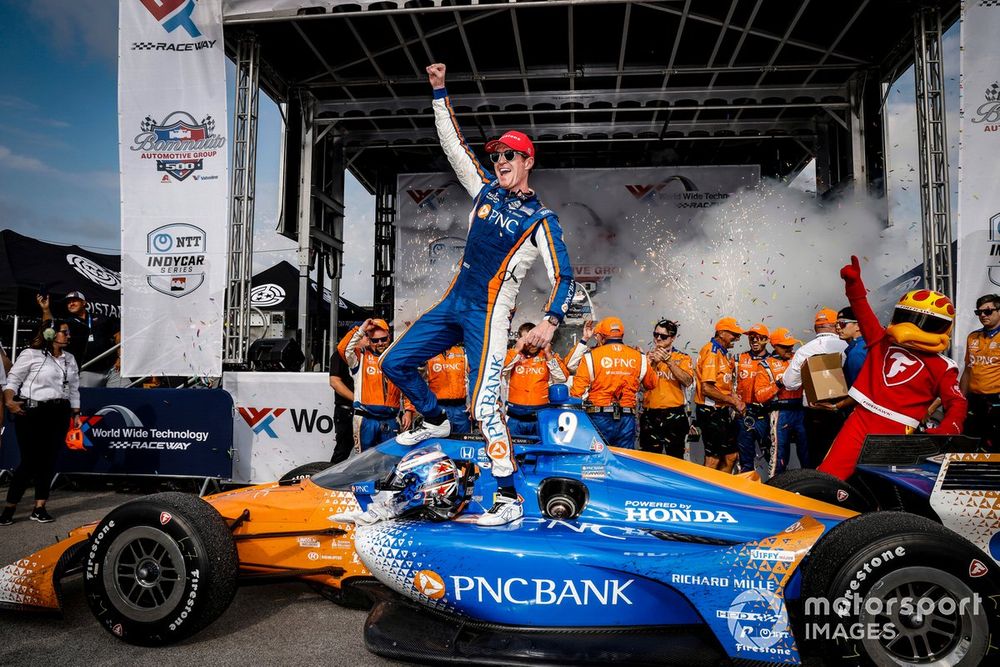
(507, 232)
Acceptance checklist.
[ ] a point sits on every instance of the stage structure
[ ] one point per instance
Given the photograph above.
(596, 83)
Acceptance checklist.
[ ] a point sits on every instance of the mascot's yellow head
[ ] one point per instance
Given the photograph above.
(922, 321)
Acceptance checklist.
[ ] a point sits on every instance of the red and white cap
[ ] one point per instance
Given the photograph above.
(519, 141)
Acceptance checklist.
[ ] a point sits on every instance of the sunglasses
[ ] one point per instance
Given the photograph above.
(984, 311)
(844, 323)
(659, 336)
(507, 155)
(383, 339)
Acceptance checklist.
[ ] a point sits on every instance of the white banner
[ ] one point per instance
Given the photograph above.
(978, 228)
(614, 223)
(174, 185)
(282, 421)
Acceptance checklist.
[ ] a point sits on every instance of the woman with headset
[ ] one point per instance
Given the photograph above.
(43, 393)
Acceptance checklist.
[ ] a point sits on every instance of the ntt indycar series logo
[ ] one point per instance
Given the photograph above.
(176, 259)
(179, 145)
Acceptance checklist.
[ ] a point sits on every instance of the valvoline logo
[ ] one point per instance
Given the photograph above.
(173, 14)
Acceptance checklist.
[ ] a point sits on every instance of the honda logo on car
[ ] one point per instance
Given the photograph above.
(515, 590)
(664, 512)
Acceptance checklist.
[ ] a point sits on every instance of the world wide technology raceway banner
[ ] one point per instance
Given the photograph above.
(979, 143)
(174, 183)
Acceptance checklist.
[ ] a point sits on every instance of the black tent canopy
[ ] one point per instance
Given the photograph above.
(277, 288)
(29, 266)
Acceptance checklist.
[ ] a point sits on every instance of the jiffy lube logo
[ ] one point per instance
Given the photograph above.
(176, 259)
(989, 111)
(180, 145)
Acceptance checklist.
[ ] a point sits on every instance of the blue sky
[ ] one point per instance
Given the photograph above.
(59, 138)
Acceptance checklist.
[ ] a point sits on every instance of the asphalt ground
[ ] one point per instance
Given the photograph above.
(272, 624)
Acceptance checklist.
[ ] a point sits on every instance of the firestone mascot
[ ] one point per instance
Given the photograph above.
(903, 373)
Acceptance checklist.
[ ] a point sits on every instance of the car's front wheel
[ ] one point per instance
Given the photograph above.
(160, 568)
(890, 588)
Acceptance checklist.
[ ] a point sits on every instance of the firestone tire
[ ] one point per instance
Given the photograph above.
(160, 569)
(822, 486)
(899, 589)
(305, 471)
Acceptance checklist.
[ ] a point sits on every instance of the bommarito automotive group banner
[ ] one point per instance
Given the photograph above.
(174, 183)
(978, 270)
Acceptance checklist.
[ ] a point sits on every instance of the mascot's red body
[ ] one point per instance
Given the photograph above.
(902, 374)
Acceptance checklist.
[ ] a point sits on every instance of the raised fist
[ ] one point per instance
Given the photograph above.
(435, 74)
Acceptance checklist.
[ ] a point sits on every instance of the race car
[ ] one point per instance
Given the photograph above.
(635, 557)
(621, 555)
(948, 479)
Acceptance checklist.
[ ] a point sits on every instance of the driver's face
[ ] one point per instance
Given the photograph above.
(513, 174)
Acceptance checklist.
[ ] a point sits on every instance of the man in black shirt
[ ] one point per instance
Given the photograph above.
(90, 335)
(342, 384)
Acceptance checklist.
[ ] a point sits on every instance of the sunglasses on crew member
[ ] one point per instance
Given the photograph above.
(507, 155)
(984, 311)
(659, 336)
(383, 339)
(844, 323)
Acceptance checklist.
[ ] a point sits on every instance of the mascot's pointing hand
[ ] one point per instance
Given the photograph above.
(851, 274)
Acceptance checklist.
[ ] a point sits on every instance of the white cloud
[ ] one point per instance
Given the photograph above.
(17, 162)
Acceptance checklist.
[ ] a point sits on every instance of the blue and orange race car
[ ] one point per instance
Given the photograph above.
(621, 555)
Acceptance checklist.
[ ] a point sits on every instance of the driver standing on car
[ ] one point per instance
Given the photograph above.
(509, 228)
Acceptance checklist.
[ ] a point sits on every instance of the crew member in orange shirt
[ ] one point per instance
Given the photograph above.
(788, 419)
(715, 396)
(755, 386)
(377, 401)
(342, 383)
(530, 372)
(608, 380)
(981, 378)
(447, 376)
(663, 426)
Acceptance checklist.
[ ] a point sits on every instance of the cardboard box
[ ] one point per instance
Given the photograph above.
(823, 378)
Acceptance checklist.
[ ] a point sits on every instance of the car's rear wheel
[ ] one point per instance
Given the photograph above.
(890, 588)
(305, 471)
(160, 568)
(822, 486)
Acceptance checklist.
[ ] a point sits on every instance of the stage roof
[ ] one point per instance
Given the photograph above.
(596, 83)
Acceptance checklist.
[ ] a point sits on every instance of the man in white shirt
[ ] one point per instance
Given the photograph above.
(823, 422)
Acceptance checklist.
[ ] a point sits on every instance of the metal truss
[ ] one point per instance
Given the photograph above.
(385, 246)
(932, 141)
(243, 187)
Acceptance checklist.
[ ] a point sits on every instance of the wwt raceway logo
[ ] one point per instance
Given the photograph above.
(179, 144)
(87, 423)
(262, 420)
(173, 14)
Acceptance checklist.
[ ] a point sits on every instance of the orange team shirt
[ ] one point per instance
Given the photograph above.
(370, 386)
(753, 382)
(778, 367)
(714, 365)
(612, 373)
(530, 378)
(447, 374)
(982, 359)
(342, 345)
(668, 392)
